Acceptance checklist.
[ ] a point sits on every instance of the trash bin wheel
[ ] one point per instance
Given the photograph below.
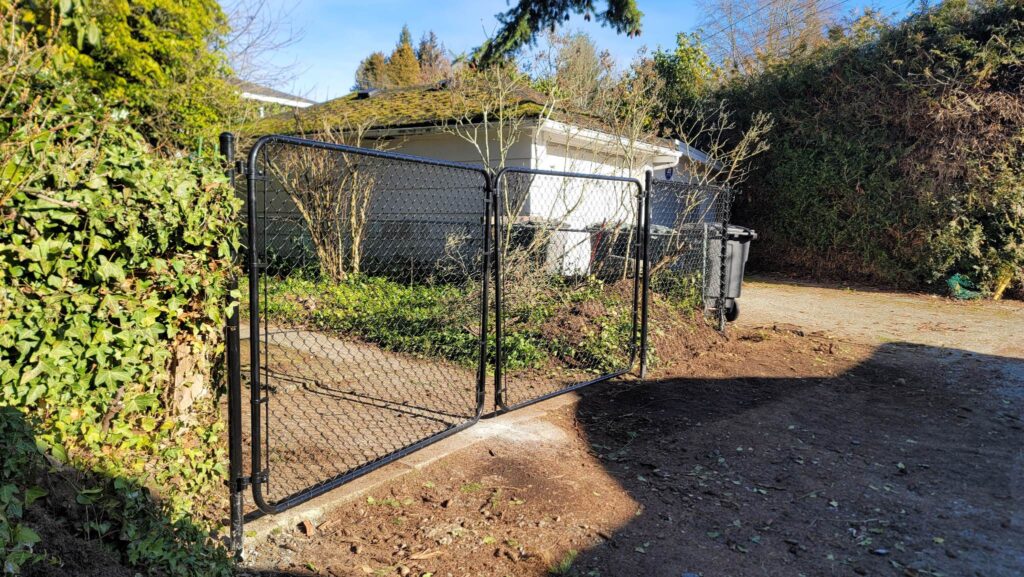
(732, 311)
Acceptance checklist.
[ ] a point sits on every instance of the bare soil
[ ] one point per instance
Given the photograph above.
(781, 450)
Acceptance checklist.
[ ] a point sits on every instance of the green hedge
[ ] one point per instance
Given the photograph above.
(112, 297)
(897, 154)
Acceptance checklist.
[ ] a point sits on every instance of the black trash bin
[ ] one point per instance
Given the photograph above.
(737, 248)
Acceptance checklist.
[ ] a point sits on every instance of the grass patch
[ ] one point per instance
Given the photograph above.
(443, 320)
(564, 567)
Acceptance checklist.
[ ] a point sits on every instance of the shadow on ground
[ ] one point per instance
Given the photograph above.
(910, 463)
(906, 463)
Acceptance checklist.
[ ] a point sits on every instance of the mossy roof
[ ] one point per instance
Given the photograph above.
(405, 107)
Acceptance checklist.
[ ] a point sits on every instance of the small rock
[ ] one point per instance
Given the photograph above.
(403, 570)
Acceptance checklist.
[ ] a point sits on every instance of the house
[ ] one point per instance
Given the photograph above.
(269, 101)
(679, 194)
(427, 121)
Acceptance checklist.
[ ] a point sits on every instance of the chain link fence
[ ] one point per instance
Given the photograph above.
(686, 255)
(387, 294)
(569, 267)
(366, 294)
(687, 223)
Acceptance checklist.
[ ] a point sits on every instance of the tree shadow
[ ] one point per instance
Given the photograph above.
(909, 463)
(68, 522)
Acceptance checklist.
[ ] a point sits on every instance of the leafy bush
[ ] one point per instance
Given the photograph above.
(898, 151)
(112, 293)
(160, 59)
(17, 470)
(440, 320)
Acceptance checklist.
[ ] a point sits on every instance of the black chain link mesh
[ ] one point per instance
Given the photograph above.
(370, 271)
(568, 249)
(371, 290)
(687, 223)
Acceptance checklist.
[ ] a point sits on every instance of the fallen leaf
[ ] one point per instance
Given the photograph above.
(423, 555)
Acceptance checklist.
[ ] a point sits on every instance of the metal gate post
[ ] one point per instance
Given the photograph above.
(646, 287)
(489, 202)
(234, 370)
(722, 284)
(499, 199)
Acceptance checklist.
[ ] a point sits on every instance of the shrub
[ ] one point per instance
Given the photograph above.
(162, 60)
(112, 293)
(897, 156)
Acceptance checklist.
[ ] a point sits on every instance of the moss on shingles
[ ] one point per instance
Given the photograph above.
(408, 107)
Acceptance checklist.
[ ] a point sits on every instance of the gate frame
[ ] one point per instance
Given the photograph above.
(500, 406)
(490, 265)
(260, 475)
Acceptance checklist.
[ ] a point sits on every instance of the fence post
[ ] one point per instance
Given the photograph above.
(646, 288)
(722, 264)
(234, 370)
(485, 288)
(498, 200)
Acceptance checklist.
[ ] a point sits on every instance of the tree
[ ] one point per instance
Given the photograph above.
(571, 70)
(259, 31)
(520, 25)
(403, 69)
(687, 71)
(162, 60)
(746, 37)
(371, 72)
(433, 58)
(332, 192)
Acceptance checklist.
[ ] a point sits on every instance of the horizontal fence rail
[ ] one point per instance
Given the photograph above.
(385, 294)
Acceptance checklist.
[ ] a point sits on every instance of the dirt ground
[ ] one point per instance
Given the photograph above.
(835, 432)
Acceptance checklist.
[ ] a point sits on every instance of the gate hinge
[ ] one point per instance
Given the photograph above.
(243, 483)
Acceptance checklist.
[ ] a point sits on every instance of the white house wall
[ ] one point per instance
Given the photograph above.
(418, 214)
(577, 207)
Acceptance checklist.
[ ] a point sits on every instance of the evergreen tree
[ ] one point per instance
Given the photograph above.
(405, 37)
(520, 24)
(403, 69)
(433, 58)
(372, 72)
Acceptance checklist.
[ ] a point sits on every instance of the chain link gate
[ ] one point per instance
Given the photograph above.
(569, 252)
(367, 283)
(688, 223)
(371, 331)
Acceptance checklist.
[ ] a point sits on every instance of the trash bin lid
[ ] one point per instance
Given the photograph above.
(737, 232)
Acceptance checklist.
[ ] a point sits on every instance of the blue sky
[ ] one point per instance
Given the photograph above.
(337, 34)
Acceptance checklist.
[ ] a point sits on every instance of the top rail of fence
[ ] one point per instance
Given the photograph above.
(559, 173)
(384, 154)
